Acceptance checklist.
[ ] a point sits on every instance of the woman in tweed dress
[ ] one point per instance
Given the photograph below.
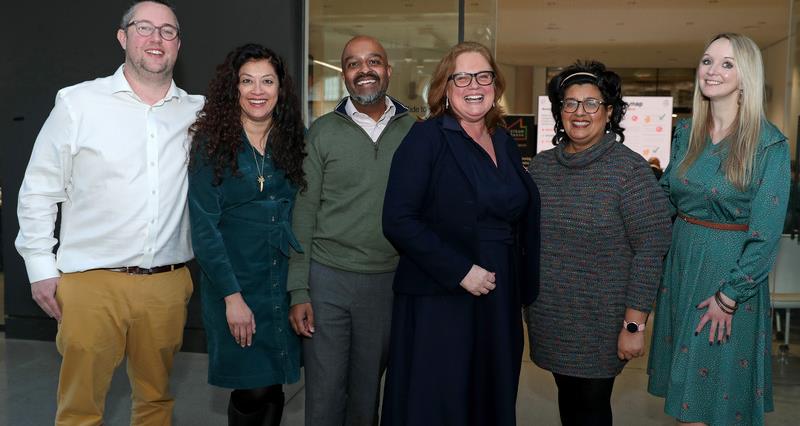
(605, 227)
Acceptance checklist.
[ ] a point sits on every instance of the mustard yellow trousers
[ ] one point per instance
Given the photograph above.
(110, 315)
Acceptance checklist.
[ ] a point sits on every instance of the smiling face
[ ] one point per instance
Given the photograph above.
(583, 129)
(150, 57)
(258, 90)
(365, 70)
(471, 103)
(717, 74)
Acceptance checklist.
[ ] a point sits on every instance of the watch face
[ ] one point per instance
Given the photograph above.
(632, 327)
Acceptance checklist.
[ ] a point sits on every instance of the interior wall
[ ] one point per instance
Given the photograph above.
(777, 83)
(57, 44)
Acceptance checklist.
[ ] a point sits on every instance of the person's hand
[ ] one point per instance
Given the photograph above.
(630, 345)
(478, 281)
(301, 316)
(44, 293)
(720, 321)
(241, 321)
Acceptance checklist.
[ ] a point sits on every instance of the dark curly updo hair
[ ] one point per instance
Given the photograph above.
(217, 133)
(592, 72)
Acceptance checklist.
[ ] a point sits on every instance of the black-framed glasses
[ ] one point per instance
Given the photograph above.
(590, 105)
(464, 79)
(146, 29)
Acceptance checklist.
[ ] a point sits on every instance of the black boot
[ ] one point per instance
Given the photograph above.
(273, 410)
(238, 418)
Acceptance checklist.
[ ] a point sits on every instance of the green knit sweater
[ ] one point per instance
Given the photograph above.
(337, 219)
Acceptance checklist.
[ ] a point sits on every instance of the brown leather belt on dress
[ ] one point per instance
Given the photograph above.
(135, 270)
(714, 225)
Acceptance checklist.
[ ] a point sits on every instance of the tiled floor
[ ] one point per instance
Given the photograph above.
(29, 374)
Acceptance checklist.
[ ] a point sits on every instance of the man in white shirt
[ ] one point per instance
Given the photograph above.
(113, 152)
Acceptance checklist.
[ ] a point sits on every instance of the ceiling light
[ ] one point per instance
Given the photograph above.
(327, 65)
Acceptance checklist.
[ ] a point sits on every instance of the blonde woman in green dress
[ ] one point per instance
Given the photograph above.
(728, 182)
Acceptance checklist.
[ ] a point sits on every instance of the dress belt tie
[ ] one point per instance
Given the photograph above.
(714, 225)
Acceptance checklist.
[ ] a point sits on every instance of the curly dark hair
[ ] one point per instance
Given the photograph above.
(591, 72)
(217, 133)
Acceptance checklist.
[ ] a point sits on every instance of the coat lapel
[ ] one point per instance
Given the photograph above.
(455, 137)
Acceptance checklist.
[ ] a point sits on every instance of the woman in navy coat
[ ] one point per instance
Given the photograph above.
(464, 216)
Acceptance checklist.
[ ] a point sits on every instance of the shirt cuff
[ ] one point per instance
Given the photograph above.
(41, 268)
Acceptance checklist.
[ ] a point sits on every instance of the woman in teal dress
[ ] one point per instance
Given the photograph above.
(246, 167)
(728, 181)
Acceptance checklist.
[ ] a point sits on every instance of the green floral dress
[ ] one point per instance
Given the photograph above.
(729, 383)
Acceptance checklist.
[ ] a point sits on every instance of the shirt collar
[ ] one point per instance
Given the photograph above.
(352, 111)
(120, 84)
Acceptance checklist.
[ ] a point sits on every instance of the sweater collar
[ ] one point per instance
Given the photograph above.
(587, 156)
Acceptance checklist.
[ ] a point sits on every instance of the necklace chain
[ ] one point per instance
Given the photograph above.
(260, 178)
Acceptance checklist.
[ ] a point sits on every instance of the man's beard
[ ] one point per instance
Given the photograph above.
(369, 99)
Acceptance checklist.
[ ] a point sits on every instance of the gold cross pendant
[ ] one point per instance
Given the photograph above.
(260, 184)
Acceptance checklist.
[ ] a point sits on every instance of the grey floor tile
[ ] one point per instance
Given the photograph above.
(29, 376)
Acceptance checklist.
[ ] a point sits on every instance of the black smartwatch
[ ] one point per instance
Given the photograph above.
(632, 327)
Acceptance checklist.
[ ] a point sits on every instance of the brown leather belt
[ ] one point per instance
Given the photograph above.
(135, 270)
(714, 225)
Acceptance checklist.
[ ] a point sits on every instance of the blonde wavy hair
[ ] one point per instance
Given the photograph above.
(437, 93)
(744, 133)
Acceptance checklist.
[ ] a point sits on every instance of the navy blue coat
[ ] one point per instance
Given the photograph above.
(430, 214)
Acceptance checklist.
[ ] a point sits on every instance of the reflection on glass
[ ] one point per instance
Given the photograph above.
(415, 33)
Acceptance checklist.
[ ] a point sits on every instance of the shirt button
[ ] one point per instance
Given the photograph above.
(152, 163)
(152, 136)
(273, 218)
(153, 192)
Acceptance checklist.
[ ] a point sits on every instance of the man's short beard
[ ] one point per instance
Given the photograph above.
(369, 99)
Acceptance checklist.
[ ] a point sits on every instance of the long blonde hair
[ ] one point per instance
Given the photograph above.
(738, 166)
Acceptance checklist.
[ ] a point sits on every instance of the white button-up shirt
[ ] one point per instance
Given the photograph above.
(118, 166)
(372, 127)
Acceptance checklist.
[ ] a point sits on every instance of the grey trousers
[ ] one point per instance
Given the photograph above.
(347, 356)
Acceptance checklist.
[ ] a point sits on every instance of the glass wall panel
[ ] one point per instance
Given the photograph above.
(480, 22)
(415, 33)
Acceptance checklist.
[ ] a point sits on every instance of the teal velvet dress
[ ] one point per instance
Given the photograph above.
(729, 383)
(241, 238)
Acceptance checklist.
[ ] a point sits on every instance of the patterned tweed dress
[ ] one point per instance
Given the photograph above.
(605, 228)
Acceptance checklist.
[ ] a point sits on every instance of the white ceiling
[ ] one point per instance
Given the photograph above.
(629, 33)
(621, 33)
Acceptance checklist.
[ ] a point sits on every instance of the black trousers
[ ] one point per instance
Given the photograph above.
(584, 402)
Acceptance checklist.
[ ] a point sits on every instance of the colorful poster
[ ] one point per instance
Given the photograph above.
(647, 124)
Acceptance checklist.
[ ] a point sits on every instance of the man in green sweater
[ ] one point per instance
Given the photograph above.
(341, 286)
